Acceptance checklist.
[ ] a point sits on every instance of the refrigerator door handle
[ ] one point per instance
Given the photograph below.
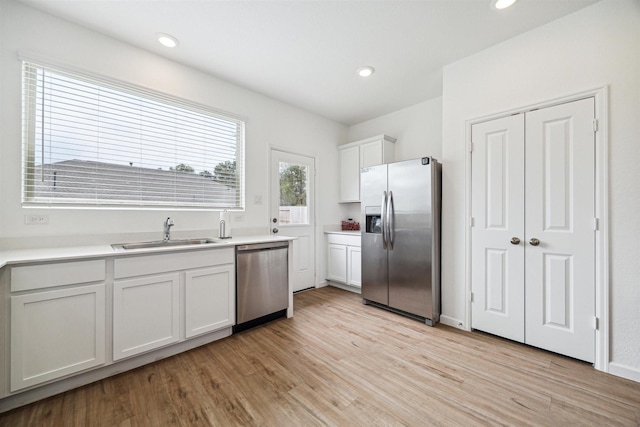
(390, 214)
(383, 206)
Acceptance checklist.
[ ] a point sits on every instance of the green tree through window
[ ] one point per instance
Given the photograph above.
(293, 185)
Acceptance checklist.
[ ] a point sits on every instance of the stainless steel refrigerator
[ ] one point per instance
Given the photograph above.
(400, 207)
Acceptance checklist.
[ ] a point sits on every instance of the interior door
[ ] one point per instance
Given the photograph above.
(498, 228)
(533, 235)
(560, 279)
(292, 211)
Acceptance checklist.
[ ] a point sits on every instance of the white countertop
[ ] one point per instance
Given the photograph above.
(346, 233)
(21, 256)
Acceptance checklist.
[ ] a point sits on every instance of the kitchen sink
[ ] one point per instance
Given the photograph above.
(162, 244)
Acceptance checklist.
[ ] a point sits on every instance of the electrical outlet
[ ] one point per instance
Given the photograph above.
(238, 217)
(31, 219)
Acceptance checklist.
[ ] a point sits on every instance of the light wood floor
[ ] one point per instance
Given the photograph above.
(338, 362)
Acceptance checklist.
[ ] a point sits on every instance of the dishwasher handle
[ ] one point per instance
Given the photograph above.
(262, 246)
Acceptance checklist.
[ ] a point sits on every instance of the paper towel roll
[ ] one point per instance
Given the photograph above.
(225, 230)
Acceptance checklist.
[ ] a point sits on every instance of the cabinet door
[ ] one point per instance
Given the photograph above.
(56, 333)
(145, 314)
(337, 263)
(371, 154)
(354, 273)
(209, 299)
(350, 174)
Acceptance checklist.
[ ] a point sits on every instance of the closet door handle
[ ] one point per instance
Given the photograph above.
(515, 241)
(534, 242)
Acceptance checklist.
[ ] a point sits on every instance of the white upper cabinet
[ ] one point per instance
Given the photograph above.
(350, 174)
(355, 155)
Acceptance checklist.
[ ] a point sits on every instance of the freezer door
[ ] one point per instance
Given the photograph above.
(373, 186)
(411, 220)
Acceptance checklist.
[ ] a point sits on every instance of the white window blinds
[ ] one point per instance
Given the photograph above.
(98, 143)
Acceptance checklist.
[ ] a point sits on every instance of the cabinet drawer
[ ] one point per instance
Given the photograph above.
(150, 264)
(344, 239)
(56, 274)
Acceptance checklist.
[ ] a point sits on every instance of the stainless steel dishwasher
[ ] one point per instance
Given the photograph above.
(262, 283)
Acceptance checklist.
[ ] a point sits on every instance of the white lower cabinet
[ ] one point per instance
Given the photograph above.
(56, 332)
(162, 299)
(337, 263)
(146, 314)
(343, 259)
(55, 316)
(209, 299)
(354, 269)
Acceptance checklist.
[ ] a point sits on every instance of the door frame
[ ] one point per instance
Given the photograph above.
(313, 212)
(602, 283)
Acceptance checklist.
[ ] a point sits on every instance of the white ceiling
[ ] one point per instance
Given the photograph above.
(306, 52)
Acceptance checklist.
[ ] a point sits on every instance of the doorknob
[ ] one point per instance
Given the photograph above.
(515, 241)
(274, 220)
(534, 242)
(275, 230)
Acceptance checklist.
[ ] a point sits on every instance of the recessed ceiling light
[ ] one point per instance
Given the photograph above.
(366, 71)
(167, 40)
(502, 4)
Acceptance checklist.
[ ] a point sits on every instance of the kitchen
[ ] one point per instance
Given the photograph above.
(601, 39)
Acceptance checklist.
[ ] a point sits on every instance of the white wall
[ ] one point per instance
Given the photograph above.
(418, 130)
(596, 46)
(269, 123)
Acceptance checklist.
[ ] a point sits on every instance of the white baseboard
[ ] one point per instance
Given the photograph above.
(452, 321)
(624, 371)
(353, 289)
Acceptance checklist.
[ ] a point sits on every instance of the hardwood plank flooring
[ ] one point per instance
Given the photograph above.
(340, 363)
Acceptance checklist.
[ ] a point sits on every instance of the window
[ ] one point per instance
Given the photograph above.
(92, 142)
(293, 194)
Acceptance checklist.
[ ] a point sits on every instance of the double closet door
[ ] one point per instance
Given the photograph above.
(533, 228)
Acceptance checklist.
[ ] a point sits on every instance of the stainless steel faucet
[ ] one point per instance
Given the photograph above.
(168, 223)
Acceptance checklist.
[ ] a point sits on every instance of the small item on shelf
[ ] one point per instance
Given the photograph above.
(350, 225)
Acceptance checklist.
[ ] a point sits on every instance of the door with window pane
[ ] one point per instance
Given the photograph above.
(292, 211)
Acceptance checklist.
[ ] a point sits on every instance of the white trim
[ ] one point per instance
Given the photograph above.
(354, 289)
(314, 212)
(469, 224)
(624, 371)
(602, 285)
(453, 322)
(602, 235)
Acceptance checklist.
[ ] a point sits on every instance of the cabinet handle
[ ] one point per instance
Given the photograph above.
(515, 241)
(534, 242)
